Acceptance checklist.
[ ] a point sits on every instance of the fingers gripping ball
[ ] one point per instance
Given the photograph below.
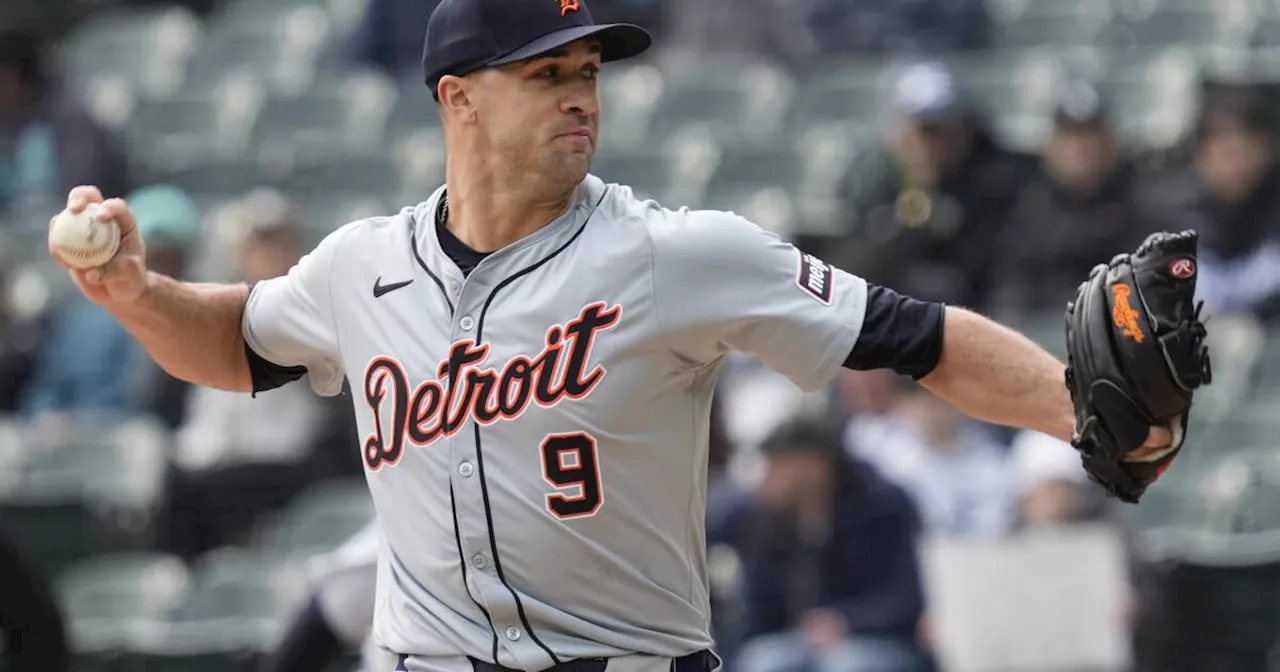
(81, 241)
(1136, 356)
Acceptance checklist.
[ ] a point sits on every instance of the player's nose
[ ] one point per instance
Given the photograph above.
(581, 102)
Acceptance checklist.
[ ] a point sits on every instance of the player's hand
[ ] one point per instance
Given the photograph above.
(1158, 440)
(124, 278)
(824, 629)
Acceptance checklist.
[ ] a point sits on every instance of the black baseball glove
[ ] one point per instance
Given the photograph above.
(1135, 356)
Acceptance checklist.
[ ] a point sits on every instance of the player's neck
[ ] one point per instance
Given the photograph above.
(488, 216)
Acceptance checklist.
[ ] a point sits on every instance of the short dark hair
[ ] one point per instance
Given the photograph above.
(1243, 110)
(803, 435)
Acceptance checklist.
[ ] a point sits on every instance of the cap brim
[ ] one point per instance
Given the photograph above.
(617, 41)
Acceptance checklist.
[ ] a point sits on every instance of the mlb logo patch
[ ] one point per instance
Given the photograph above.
(815, 277)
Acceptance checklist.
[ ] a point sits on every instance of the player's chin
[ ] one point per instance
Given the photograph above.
(573, 165)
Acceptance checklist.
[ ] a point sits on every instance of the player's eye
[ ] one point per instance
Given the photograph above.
(549, 72)
(591, 71)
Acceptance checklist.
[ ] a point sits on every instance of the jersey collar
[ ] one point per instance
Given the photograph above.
(586, 197)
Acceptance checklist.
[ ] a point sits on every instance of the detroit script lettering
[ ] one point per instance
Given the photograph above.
(463, 388)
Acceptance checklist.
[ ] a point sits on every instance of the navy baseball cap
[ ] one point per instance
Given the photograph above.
(466, 35)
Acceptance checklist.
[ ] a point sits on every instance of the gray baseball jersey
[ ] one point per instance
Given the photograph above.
(535, 432)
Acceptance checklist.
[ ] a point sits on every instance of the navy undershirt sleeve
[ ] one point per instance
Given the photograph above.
(898, 333)
(267, 375)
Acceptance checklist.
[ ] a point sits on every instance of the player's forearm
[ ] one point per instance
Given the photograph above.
(993, 373)
(191, 330)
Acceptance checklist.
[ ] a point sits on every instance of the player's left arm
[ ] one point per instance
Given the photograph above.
(993, 373)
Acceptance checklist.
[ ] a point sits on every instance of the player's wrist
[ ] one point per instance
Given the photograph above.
(124, 302)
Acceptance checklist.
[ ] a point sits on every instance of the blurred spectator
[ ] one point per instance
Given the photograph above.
(48, 143)
(920, 27)
(1231, 195)
(241, 456)
(389, 37)
(957, 474)
(22, 329)
(1051, 483)
(90, 364)
(1081, 210)
(927, 220)
(828, 557)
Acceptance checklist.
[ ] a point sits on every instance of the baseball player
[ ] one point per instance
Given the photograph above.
(532, 352)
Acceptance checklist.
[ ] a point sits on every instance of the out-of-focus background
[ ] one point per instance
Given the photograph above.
(984, 153)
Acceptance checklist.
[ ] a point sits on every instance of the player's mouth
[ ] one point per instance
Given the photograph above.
(579, 132)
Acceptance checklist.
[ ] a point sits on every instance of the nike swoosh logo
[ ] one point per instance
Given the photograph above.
(379, 289)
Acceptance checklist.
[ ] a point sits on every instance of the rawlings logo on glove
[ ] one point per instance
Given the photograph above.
(1135, 356)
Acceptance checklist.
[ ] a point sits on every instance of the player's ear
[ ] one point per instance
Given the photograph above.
(456, 98)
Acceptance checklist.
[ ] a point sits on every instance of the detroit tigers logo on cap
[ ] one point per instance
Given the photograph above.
(567, 6)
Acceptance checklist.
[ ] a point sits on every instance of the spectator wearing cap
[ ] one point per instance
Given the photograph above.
(1051, 483)
(238, 457)
(90, 364)
(830, 575)
(1083, 206)
(48, 142)
(1231, 195)
(928, 212)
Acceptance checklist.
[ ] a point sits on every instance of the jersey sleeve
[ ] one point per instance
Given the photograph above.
(723, 283)
(289, 321)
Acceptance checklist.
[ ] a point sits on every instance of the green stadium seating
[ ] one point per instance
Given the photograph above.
(852, 92)
(1053, 24)
(645, 171)
(116, 602)
(231, 616)
(629, 95)
(279, 44)
(148, 46)
(92, 492)
(1188, 26)
(318, 520)
(226, 178)
(340, 114)
(747, 101)
(350, 176)
(413, 111)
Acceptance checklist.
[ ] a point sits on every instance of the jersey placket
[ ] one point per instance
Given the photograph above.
(469, 487)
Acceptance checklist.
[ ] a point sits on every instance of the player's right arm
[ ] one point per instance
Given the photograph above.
(192, 331)
(229, 337)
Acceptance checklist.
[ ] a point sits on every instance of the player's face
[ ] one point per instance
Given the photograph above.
(543, 114)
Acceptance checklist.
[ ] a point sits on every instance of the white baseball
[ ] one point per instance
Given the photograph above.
(82, 241)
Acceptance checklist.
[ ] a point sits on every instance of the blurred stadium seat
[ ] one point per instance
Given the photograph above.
(231, 615)
(92, 492)
(318, 520)
(118, 603)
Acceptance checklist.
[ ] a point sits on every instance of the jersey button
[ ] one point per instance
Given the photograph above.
(513, 633)
(478, 561)
(466, 323)
(466, 469)
(454, 288)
